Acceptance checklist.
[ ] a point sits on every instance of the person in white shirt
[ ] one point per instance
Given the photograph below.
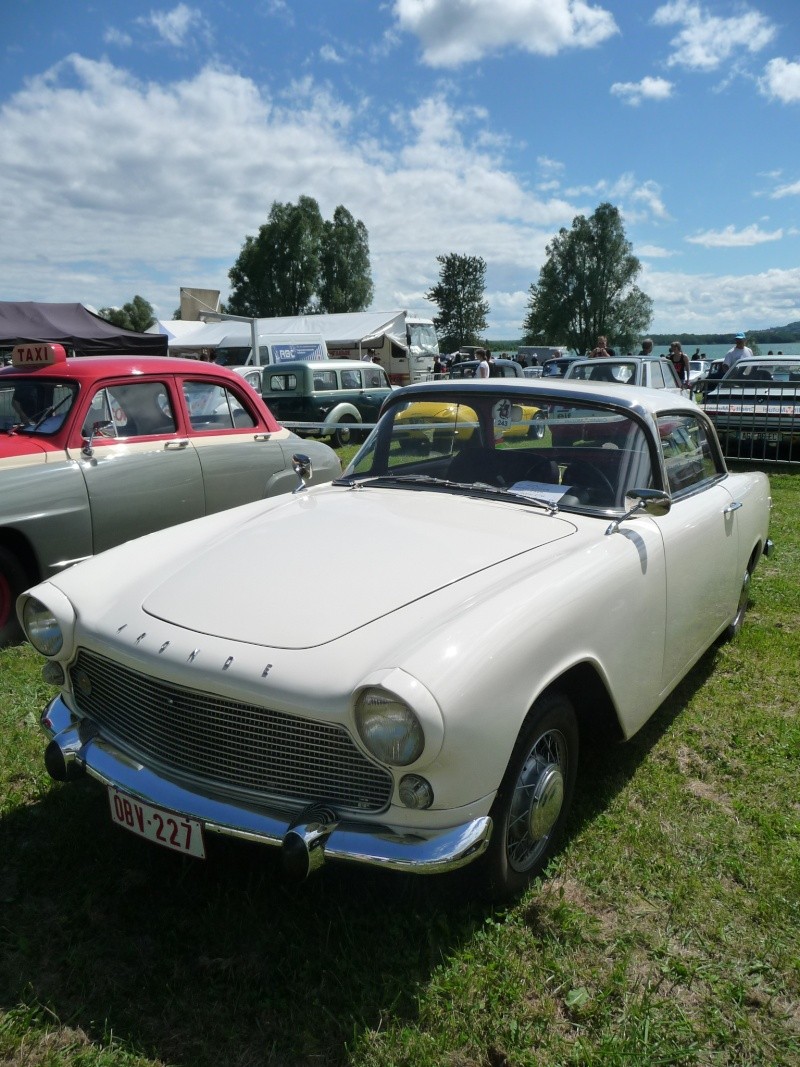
(739, 351)
(482, 370)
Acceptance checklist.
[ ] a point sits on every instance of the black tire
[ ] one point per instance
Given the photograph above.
(534, 799)
(13, 580)
(343, 435)
(735, 625)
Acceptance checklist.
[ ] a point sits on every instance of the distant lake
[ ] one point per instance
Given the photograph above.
(718, 351)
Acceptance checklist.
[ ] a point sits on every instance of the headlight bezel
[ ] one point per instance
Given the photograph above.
(399, 683)
(42, 627)
(388, 726)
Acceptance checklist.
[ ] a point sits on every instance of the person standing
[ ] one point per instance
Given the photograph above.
(483, 369)
(600, 349)
(647, 347)
(680, 361)
(739, 351)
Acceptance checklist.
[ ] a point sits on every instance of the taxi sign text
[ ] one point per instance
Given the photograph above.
(37, 355)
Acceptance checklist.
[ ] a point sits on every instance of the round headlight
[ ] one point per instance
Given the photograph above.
(389, 728)
(41, 627)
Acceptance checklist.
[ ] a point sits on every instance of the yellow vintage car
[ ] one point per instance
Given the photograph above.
(440, 424)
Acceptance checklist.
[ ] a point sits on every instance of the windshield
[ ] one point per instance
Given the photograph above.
(422, 336)
(766, 370)
(35, 405)
(568, 454)
(602, 370)
(232, 356)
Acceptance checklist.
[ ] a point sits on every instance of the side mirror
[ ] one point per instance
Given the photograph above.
(87, 449)
(651, 501)
(301, 465)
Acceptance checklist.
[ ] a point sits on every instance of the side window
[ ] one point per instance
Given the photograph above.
(323, 380)
(134, 409)
(351, 379)
(688, 452)
(213, 407)
(374, 378)
(657, 375)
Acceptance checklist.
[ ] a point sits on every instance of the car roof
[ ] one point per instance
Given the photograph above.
(321, 364)
(766, 359)
(628, 397)
(619, 359)
(90, 368)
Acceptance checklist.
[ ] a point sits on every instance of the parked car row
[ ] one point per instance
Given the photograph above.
(418, 716)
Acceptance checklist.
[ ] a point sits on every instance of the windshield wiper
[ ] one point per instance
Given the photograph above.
(49, 412)
(447, 483)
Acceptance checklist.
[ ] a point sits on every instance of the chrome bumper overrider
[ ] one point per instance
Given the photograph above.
(313, 836)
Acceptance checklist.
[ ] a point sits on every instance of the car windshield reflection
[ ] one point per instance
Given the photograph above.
(35, 407)
(556, 454)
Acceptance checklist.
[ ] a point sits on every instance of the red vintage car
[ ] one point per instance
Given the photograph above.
(97, 450)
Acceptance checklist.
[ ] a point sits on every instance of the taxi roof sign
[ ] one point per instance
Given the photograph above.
(41, 354)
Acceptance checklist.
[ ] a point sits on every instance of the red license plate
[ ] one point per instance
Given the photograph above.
(155, 824)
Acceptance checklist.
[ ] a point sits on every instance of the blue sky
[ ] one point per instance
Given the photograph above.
(140, 144)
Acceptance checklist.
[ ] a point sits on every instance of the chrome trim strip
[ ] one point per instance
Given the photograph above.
(416, 851)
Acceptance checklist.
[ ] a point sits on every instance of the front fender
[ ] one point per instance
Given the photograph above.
(336, 414)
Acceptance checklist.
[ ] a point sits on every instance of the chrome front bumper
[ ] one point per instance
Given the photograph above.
(315, 835)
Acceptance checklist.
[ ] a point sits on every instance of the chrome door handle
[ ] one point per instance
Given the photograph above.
(732, 507)
(182, 443)
(262, 437)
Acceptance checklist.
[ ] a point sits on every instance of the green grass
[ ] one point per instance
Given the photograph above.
(666, 932)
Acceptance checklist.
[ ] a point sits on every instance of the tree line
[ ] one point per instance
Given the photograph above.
(299, 263)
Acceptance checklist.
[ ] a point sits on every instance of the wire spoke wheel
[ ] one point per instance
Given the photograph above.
(533, 800)
(537, 801)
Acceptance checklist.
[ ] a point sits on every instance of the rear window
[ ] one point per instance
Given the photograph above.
(282, 383)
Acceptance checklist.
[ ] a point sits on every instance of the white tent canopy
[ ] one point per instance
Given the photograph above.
(350, 330)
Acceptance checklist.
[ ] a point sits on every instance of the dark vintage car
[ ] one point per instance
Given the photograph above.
(500, 368)
(557, 368)
(326, 398)
(98, 450)
(755, 407)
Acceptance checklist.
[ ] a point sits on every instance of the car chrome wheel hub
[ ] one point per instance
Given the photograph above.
(537, 802)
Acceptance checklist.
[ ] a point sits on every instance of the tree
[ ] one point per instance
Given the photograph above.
(296, 265)
(345, 276)
(586, 287)
(136, 315)
(459, 294)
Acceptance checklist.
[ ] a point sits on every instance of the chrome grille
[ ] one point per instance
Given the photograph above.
(236, 748)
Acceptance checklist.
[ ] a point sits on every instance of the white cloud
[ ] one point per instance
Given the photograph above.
(117, 37)
(175, 26)
(329, 54)
(636, 200)
(793, 189)
(733, 238)
(705, 40)
(710, 303)
(647, 89)
(781, 81)
(454, 32)
(157, 185)
(654, 252)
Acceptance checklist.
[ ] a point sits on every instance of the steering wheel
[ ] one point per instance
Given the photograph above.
(582, 474)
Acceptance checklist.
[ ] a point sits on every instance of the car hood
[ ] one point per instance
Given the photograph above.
(329, 562)
(22, 448)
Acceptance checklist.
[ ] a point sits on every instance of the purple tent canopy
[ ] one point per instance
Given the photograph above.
(73, 326)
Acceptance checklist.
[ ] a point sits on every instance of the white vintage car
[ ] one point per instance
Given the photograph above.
(421, 707)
